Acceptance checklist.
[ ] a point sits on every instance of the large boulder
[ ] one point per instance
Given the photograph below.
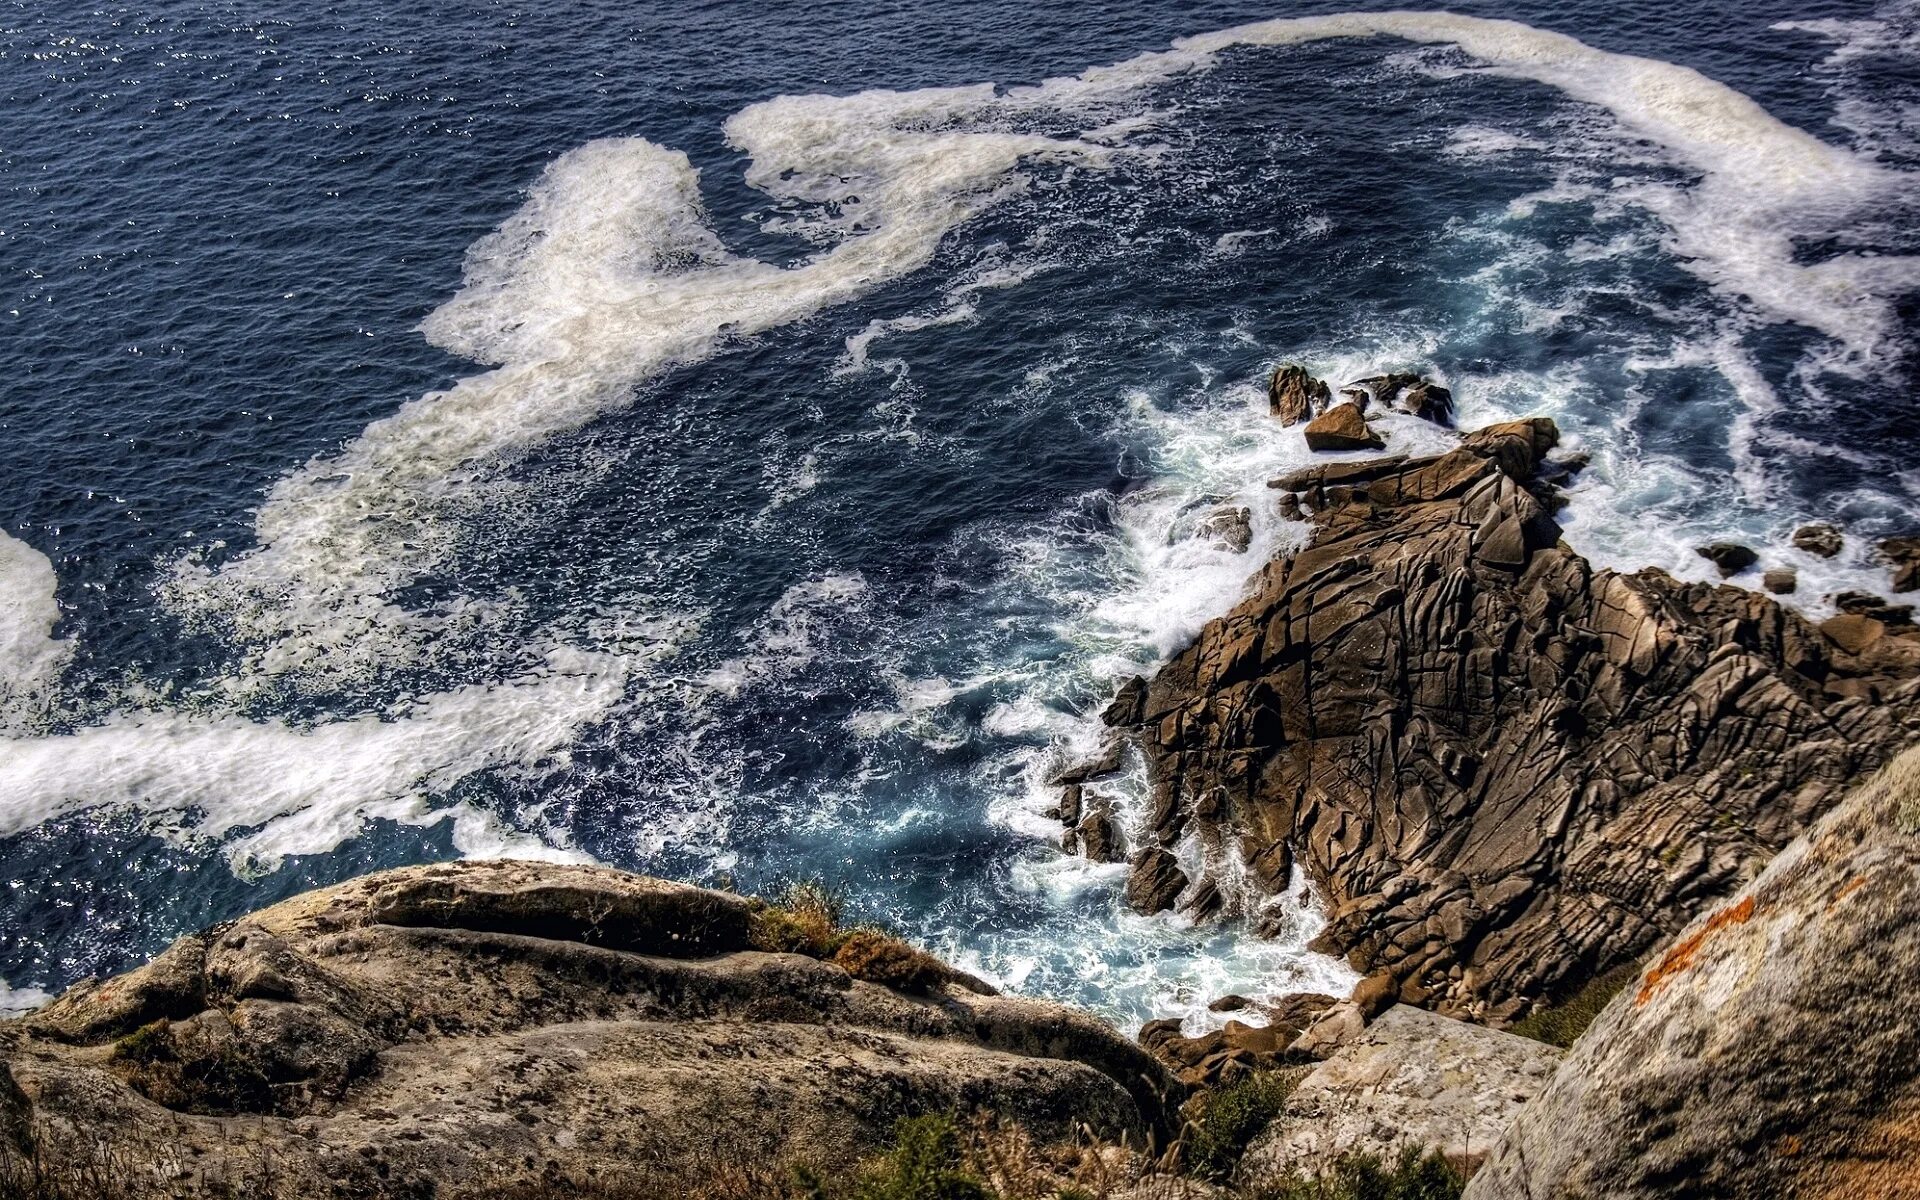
(1768, 1050)
(1341, 427)
(434, 1029)
(1412, 1079)
(1510, 772)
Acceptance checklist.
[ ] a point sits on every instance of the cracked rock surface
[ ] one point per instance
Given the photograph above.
(1507, 770)
(1768, 1051)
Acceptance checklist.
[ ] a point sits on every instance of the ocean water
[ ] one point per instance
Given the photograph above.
(749, 442)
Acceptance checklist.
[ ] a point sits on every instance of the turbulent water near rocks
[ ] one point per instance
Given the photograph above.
(746, 444)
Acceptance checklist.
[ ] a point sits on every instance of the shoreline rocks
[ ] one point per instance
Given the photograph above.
(1509, 771)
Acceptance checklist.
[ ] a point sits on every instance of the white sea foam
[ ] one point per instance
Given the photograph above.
(297, 790)
(15, 1001)
(31, 658)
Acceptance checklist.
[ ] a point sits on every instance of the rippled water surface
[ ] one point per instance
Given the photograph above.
(749, 442)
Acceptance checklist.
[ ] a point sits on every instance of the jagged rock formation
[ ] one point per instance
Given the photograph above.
(1294, 396)
(424, 1030)
(1508, 771)
(1768, 1051)
(1413, 1078)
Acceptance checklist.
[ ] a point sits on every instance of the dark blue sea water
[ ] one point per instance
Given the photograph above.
(748, 442)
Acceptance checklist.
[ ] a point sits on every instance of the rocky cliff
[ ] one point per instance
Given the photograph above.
(1507, 770)
(463, 1029)
(1768, 1051)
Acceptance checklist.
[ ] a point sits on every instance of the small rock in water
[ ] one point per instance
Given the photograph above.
(1731, 557)
(1230, 1003)
(1781, 581)
(1429, 402)
(1231, 526)
(1295, 396)
(1342, 428)
(1404, 392)
(1819, 538)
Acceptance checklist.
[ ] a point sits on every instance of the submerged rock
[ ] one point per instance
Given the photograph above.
(1230, 526)
(1295, 396)
(1508, 771)
(1820, 539)
(1342, 428)
(436, 1030)
(1730, 557)
(1768, 1050)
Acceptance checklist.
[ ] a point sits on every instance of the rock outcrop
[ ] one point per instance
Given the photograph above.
(1294, 396)
(435, 1028)
(1507, 770)
(1412, 1079)
(1768, 1051)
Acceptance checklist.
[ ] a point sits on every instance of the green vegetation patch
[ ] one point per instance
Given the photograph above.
(1413, 1176)
(190, 1072)
(1226, 1121)
(1562, 1024)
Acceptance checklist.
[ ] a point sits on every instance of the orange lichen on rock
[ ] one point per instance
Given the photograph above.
(1681, 956)
(1847, 889)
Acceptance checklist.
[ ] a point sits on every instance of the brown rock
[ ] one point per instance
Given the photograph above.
(1298, 1009)
(1375, 994)
(1342, 428)
(1781, 581)
(1129, 703)
(1295, 396)
(1099, 841)
(1329, 1031)
(1229, 1003)
(1853, 632)
(1821, 539)
(1473, 740)
(1904, 554)
(1405, 393)
(1730, 557)
(1254, 1039)
(1155, 881)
